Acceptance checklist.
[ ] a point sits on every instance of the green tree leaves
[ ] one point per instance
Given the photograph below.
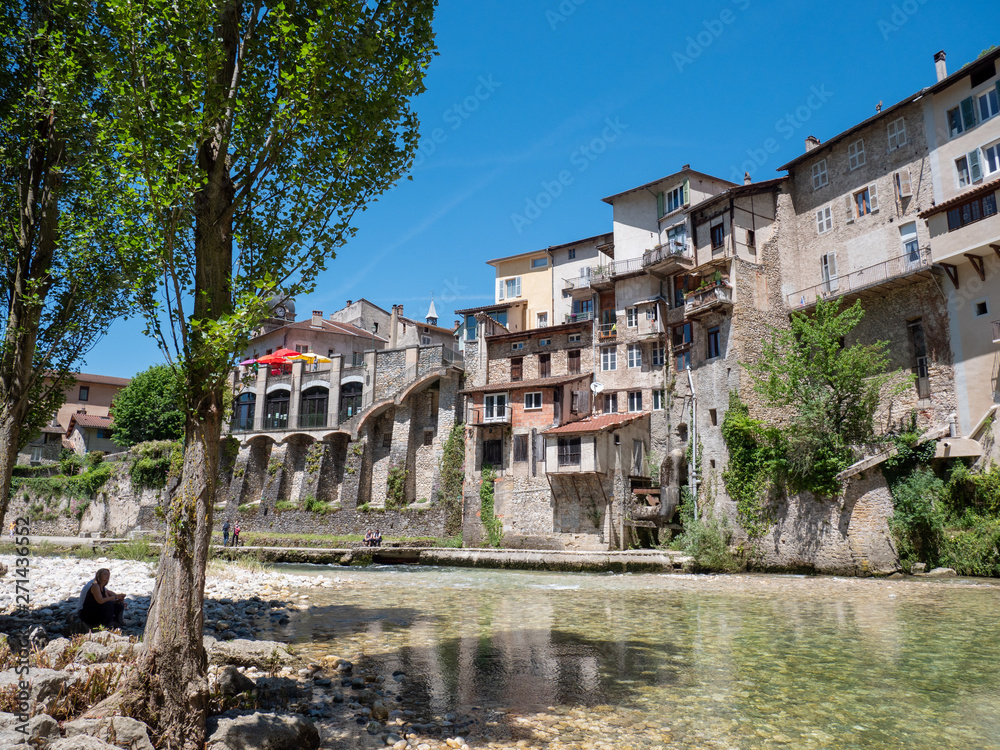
(149, 408)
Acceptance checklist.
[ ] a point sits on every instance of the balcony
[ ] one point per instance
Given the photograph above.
(607, 332)
(578, 283)
(703, 301)
(667, 259)
(604, 276)
(312, 421)
(996, 331)
(896, 272)
(488, 415)
(276, 422)
(579, 317)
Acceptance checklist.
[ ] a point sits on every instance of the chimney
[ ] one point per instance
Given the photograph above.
(317, 321)
(349, 303)
(939, 66)
(686, 166)
(746, 178)
(812, 142)
(394, 324)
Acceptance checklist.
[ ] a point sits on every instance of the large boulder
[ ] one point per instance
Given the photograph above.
(245, 653)
(259, 731)
(46, 685)
(81, 742)
(123, 731)
(234, 682)
(40, 730)
(279, 692)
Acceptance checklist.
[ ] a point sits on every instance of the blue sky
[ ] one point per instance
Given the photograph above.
(607, 95)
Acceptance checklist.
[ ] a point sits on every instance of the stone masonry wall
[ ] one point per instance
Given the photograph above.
(413, 522)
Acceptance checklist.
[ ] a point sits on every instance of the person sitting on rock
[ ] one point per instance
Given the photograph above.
(99, 606)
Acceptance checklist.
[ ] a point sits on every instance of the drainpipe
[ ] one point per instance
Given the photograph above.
(693, 436)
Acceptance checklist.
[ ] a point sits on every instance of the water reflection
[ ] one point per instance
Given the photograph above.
(678, 661)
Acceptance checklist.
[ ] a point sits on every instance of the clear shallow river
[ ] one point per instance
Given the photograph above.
(650, 661)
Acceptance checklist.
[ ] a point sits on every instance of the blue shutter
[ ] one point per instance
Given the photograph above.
(975, 168)
(968, 113)
(659, 204)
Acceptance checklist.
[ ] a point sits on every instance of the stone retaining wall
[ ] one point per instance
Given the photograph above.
(409, 523)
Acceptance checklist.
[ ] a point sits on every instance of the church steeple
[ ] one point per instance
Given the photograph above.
(432, 316)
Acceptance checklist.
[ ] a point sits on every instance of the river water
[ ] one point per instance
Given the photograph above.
(650, 661)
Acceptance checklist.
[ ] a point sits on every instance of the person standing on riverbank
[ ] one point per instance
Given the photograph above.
(225, 533)
(236, 535)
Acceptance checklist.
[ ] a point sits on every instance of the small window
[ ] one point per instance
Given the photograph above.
(84, 393)
(520, 448)
(718, 236)
(428, 437)
(542, 319)
(545, 342)
(682, 360)
(539, 262)
(425, 340)
(819, 175)
(533, 400)
(713, 342)
(897, 133)
(569, 451)
(634, 356)
(856, 154)
(901, 179)
(609, 358)
(517, 368)
(988, 105)
(981, 308)
(493, 452)
(824, 220)
(517, 346)
(751, 239)
(574, 338)
(991, 158)
(572, 254)
(658, 400)
(635, 401)
(658, 355)
(713, 417)
(969, 168)
(631, 317)
(865, 201)
(610, 403)
(510, 288)
(387, 440)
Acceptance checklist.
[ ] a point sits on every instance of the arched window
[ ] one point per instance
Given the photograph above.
(276, 410)
(350, 400)
(243, 412)
(312, 411)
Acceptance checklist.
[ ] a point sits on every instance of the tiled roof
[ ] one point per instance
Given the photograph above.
(485, 308)
(83, 377)
(516, 385)
(542, 332)
(597, 424)
(975, 192)
(424, 324)
(326, 326)
(90, 420)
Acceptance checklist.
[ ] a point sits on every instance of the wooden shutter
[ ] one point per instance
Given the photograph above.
(659, 204)
(832, 268)
(968, 113)
(517, 290)
(687, 191)
(500, 290)
(903, 187)
(873, 197)
(975, 167)
(849, 205)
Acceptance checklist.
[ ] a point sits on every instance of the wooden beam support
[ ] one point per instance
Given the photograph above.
(978, 264)
(952, 272)
(996, 249)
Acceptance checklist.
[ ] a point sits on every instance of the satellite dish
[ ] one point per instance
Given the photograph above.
(597, 387)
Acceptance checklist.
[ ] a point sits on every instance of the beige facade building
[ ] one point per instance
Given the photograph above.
(524, 284)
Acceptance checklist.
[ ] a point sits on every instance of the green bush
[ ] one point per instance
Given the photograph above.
(707, 541)
(313, 505)
(395, 488)
(975, 549)
(492, 524)
(139, 549)
(285, 505)
(918, 521)
(453, 478)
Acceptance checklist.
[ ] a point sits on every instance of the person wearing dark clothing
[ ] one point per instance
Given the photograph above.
(225, 534)
(377, 538)
(99, 606)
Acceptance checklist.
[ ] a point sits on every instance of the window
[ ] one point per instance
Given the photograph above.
(428, 437)
(897, 133)
(682, 360)
(969, 168)
(682, 335)
(493, 452)
(920, 364)
(651, 313)
(387, 440)
(901, 179)
(579, 402)
(670, 201)
(573, 361)
(658, 355)
(751, 239)
(713, 417)
(544, 365)
(610, 403)
(520, 448)
(658, 400)
(517, 368)
(980, 308)
(357, 359)
(495, 407)
(862, 203)
(988, 105)
(510, 288)
(300, 348)
(539, 262)
(545, 342)
(542, 319)
(425, 340)
(635, 401)
(713, 342)
(631, 317)
(634, 356)
(637, 451)
(681, 284)
(572, 254)
(718, 236)
(991, 155)
(517, 346)
(824, 220)
(856, 154)
(84, 393)
(962, 117)
(574, 338)
(819, 175)
(972, 211)
(609, 358)
(533, 400)
(828, 271)
(908, 236)
(569, 451)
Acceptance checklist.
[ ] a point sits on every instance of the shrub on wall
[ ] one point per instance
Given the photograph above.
(395, 487)
(452, 479)
(492, 524)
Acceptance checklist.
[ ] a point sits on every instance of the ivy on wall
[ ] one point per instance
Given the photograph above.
(492, 524)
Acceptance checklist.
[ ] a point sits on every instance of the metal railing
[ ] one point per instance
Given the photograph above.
(996, 331)
(607, 331)
(488, 414)
(864, 278)
(702, 298)
(276, 422)
(579, 317)
(577, 282)
(307, 421)
(241, 424)
(667, 251)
